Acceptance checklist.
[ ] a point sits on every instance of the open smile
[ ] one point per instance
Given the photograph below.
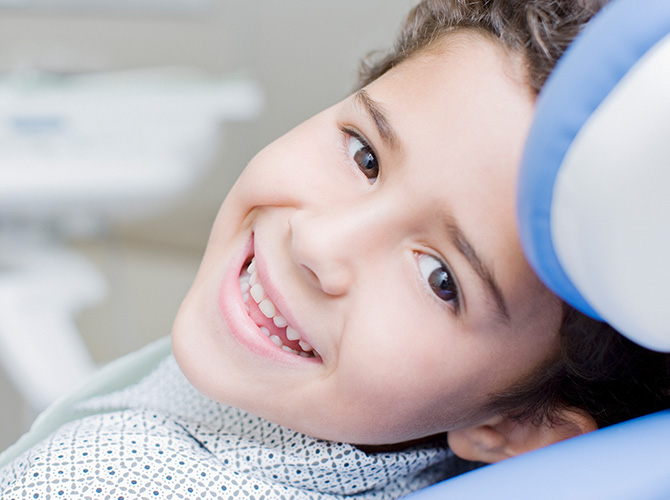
(252, 317)
(267, 317)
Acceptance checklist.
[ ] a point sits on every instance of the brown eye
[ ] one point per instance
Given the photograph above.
(364, 157)
(439, 278)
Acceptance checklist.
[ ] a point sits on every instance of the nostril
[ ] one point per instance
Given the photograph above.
(311, 275)
(317, 251)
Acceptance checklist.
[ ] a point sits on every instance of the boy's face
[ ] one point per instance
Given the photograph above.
(383, 231)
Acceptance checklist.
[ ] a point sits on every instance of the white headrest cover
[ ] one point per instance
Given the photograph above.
(594, 197)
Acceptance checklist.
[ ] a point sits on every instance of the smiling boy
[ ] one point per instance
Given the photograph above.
(364, 285)
(383, 230)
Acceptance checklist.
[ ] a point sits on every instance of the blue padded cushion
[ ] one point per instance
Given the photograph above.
(593, 65)
(628, 461)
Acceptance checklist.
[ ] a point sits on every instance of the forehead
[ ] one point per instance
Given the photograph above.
(465, 102)
(463, 71)
(466, 97)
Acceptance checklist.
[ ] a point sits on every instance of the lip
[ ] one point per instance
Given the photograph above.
(241, 326)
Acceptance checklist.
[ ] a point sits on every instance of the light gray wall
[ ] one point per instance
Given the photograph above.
(305, 55)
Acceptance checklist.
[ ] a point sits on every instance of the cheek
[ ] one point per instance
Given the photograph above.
(420, 367)
(288, 171)
(270, 174)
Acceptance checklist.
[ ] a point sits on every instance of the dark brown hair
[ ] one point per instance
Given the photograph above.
(540, 30)
(597, 370)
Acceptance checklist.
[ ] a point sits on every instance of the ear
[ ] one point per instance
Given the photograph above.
(501, 437)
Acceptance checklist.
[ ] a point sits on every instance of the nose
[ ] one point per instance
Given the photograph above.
(331, 246)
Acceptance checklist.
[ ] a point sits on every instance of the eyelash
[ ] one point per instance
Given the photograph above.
(350, 134)
(451, 294)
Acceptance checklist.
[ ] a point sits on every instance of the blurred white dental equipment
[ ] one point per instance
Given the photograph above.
(77, 151)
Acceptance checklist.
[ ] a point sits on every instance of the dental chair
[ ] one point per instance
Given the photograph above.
(593, 209)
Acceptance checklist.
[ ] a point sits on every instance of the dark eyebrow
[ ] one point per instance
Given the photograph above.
(378, 115)
(479, 266)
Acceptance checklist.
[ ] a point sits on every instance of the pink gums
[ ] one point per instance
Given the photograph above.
(261, 320)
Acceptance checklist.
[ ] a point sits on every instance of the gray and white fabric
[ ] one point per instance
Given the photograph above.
(162, 439)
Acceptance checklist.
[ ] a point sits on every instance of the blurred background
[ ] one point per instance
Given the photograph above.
(296, 58)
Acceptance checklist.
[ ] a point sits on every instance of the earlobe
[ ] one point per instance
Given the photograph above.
(499, 437)
(480, 443)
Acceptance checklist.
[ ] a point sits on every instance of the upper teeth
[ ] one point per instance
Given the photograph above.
(250, 286)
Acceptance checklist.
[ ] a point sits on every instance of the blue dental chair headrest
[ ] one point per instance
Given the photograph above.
(594, 185)
(594, 210)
